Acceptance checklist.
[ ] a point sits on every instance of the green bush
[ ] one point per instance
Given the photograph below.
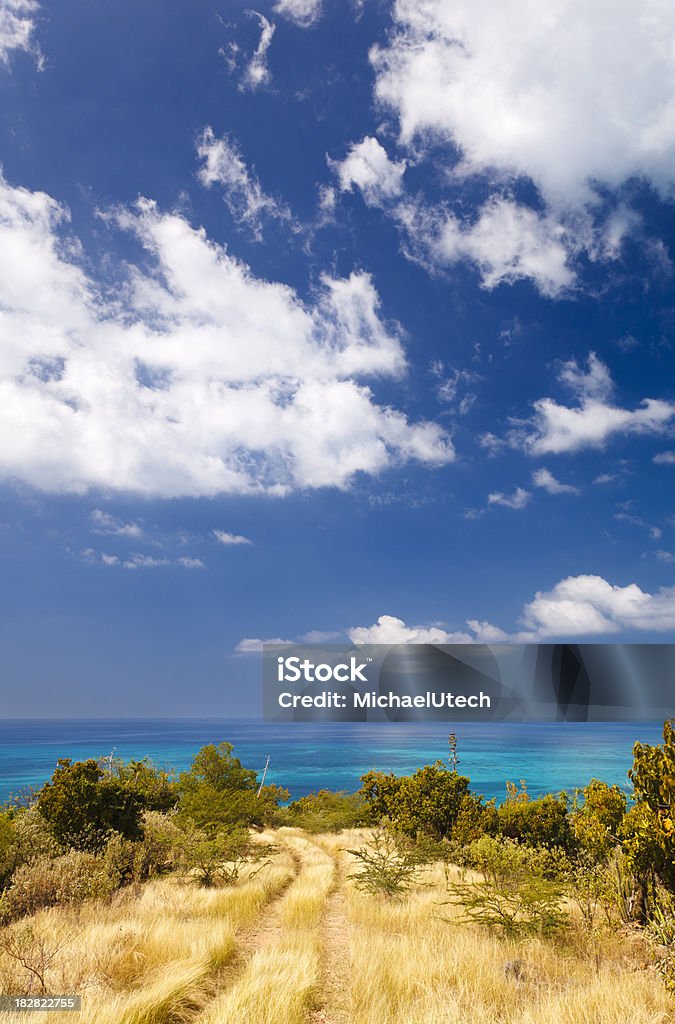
(214, 857)
(388, 864)
(597, 822)
(428, 801)
(541, 822)
(155, 789)
(516, 892)
(83, 806)
(326, 811)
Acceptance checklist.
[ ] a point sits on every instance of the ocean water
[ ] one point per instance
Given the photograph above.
(305, 757)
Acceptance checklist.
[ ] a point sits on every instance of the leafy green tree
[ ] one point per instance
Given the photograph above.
(219, 792)
(7, 847)
(378, 790)
(155, 788)
(653, 778)
(597, 821)
(474, 819)
(83, 807)
(428, 801)
(215, 766)
(516, 893)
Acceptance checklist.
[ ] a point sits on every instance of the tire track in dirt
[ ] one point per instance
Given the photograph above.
(335, 955)
(268, 928)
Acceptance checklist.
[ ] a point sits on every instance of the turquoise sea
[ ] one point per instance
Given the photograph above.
(306, 757)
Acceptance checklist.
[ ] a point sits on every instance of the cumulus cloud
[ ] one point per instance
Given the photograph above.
(368, 167)
(303, 12)
(575, 607)
(586, 605)
(257, 72)
(518, 500)
(230, 538)
(565, 94)
(664, 459)
(390, 630)
(223, 164)
(200, 379)
(544, 478)
(16, 26)
(506, 242)
(557, 428)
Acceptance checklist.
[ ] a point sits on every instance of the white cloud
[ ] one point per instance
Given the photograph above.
(103, 522)
(577, 606)
(560, 428)
(390, 630)
(507, 242)
(224, 165)
(665, 556)
(230, 538)
(606, 478)
(16, 26)
(200, 379)
(518, 500)
(257, 72)
(138, 561)
(545, 479)
(664, 459)
(368, 167)
(587, 605)
(303, 12)
(253, 645)
(565, 93)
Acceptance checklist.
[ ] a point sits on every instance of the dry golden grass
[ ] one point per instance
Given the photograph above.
(287, 947)
(281, 978)
(148, 959)
(413, 961)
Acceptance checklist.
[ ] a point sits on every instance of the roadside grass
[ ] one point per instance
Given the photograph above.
(169, 952)
(145, 958)
(279, 984)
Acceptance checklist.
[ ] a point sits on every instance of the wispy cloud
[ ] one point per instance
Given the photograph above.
(518, 500)
(103, 522)
(224, 165)
(17, 24)
(257, 72)
(230, 538)
(544, 478)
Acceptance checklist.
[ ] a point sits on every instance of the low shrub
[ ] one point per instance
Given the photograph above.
(326, 811)
(69, 879)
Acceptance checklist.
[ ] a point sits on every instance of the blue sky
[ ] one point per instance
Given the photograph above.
(332, 320)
